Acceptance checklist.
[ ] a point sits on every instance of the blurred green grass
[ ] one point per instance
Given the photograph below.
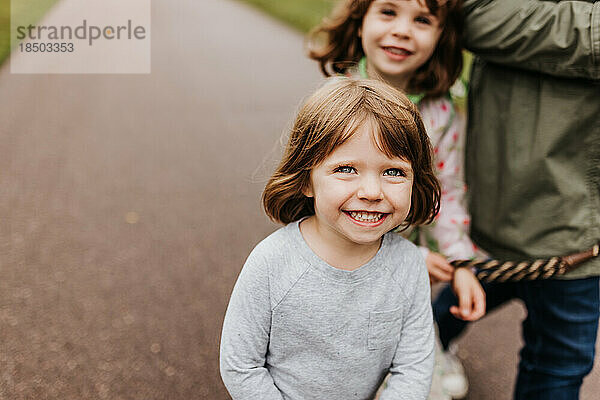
(300, 14)
(30, 11)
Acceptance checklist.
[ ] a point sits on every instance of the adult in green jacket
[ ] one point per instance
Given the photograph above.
(533, 170)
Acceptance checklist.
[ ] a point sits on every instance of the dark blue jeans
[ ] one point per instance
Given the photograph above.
(559, 332)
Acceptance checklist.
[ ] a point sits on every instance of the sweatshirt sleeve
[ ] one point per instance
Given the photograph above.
(245, 335)
(556, 38)
(412, 365)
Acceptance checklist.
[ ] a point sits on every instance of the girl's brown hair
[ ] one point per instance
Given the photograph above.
(330, 117)
(335, 44)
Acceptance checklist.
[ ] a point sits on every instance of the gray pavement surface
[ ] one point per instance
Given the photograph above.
(129, 203)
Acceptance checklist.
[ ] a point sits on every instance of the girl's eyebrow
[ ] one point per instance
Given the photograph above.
(385, 3)
(427, 11)
(405, 165)
(341, 162)
(350, 162)
(389, 3)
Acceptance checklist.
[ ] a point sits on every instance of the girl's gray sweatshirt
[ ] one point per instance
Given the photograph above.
(297, 328)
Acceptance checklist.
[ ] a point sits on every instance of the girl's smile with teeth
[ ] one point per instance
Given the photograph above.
(398, 51)
(366, 216)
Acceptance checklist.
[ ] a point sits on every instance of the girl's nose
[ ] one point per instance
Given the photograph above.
(370, 189)
(402, 27)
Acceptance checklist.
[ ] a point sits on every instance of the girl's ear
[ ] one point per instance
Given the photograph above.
(307, 190)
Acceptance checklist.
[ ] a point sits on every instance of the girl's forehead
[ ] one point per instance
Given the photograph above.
(424, 4)
(360, 138)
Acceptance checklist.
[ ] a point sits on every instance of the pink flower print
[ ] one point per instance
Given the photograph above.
(455, 136)
(440, 165)
(444, 107)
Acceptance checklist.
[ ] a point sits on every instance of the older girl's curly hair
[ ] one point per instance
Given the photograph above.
(336, 44)
(329, 118)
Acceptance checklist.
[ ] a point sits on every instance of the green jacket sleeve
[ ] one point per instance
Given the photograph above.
(560, 39)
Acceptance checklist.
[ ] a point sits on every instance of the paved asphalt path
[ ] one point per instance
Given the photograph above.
(129, 203)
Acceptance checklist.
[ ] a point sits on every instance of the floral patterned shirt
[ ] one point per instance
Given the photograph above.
(449, 233)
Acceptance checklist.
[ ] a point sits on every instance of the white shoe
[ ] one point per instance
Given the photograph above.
(449, 379)
(454, 379)
(437, 391)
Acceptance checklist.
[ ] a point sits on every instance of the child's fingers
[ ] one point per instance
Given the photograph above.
(447, 268)
(439, 269)
(439, 275)
(440, 262)
(458, 313)
(454, 310)
(474, 311)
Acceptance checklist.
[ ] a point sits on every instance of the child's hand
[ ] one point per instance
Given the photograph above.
(471, 297)
(438, 267)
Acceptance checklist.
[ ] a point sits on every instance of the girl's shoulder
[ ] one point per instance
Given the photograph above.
(274, 247)
(454, 100)
(274, 261)
(438, 115)
(403, 253)
(443, 105)
(443, 114)
(405, 263)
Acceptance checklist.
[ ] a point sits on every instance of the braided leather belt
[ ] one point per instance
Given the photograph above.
(511, 271)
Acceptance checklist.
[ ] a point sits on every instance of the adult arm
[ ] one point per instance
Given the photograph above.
(412, 365)
(245, 336)
(560, 39)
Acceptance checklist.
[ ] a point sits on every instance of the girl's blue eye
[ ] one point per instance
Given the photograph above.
(388, 11)
(345, 169)
(396, 172)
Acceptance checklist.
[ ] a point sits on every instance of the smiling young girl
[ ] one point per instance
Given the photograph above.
(325, 307)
